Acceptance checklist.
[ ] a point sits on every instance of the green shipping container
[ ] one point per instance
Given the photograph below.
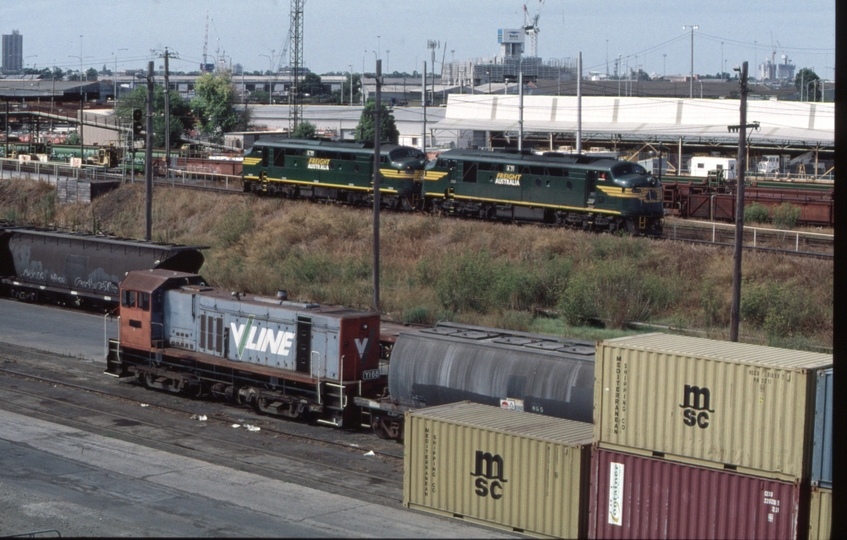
(712, 403)
(514, 470)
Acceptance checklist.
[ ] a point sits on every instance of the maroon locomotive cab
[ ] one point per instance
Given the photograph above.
(360, 348)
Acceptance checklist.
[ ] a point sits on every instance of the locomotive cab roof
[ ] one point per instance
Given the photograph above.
(151, 280)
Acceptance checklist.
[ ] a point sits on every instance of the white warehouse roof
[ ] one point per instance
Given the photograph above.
(781, 122)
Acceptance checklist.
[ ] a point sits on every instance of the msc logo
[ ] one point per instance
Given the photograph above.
(696, 402)
(488, 471)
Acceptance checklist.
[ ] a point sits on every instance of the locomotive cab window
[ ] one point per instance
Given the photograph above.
(265, 156)
(128, 298)
(279, 158)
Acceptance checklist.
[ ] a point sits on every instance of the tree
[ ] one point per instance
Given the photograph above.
(388, 131)
(214, 105)
(91, 74)
(181, 119)
(809, 80)
(345, 90)
(304, 130)
(311, 85)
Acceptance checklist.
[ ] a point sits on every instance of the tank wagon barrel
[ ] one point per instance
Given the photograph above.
(81, 269)
(517, 370)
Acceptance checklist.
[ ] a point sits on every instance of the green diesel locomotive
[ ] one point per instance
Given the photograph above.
(590, 193)
(334, 171)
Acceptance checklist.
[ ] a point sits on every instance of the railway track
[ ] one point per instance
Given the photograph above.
(292, 451)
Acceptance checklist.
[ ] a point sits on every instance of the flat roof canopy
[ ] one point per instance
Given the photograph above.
(669, 119)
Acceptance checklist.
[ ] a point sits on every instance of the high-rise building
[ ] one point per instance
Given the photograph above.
(13, 52)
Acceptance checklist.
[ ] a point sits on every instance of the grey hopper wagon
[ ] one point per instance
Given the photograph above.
(82, 270)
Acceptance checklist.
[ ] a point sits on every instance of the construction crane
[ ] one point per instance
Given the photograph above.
(531, 28)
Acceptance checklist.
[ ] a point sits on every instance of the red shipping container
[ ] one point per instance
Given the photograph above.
(639, 497)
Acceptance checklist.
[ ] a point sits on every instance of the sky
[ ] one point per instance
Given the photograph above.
(340, 35)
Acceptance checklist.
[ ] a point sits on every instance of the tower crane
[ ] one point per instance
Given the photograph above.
(531, 27)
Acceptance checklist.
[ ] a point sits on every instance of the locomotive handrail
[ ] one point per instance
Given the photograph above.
(106, 336)
(161, 342)
(312, 373)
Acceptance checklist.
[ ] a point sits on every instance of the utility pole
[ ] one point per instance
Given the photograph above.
(741, 160)
(693, 27)
(148, 156)
(423, 105)
(520, 108)
(579, 103)
(166, 55)
(377, 195)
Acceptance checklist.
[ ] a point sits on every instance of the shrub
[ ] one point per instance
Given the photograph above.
(417, 315)
(756, 213)
(618, 291)
(779, 309)
(465, 285)
(578, 302)
(785, 216)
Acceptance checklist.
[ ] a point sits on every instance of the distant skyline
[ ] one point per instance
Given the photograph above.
(340, 35)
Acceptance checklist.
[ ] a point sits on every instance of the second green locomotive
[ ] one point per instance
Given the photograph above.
(576, 190)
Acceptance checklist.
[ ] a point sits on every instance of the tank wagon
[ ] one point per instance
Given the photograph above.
(334, 171)
(285, 358)
(576, 190)
(80, 270)
(514, 370)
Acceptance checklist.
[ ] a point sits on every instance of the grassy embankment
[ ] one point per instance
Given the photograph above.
(489, 274)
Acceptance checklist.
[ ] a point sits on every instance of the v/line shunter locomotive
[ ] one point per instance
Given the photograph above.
(330, 364)
(573, 190)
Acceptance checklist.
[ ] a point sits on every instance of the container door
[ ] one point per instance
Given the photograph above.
(304, 343)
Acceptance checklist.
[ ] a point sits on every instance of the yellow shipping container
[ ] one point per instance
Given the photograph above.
(713, 403)
(515, 470)
(820, 514)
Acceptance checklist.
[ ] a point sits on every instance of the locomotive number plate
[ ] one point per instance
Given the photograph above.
(370, 374)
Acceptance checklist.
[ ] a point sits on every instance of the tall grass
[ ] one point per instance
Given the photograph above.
(493, 274)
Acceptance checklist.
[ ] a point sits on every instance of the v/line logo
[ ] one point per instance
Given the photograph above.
(489, 474)
(696, 403)
(254, 338)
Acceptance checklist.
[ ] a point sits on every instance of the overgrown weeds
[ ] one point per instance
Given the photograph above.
(490, 274)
